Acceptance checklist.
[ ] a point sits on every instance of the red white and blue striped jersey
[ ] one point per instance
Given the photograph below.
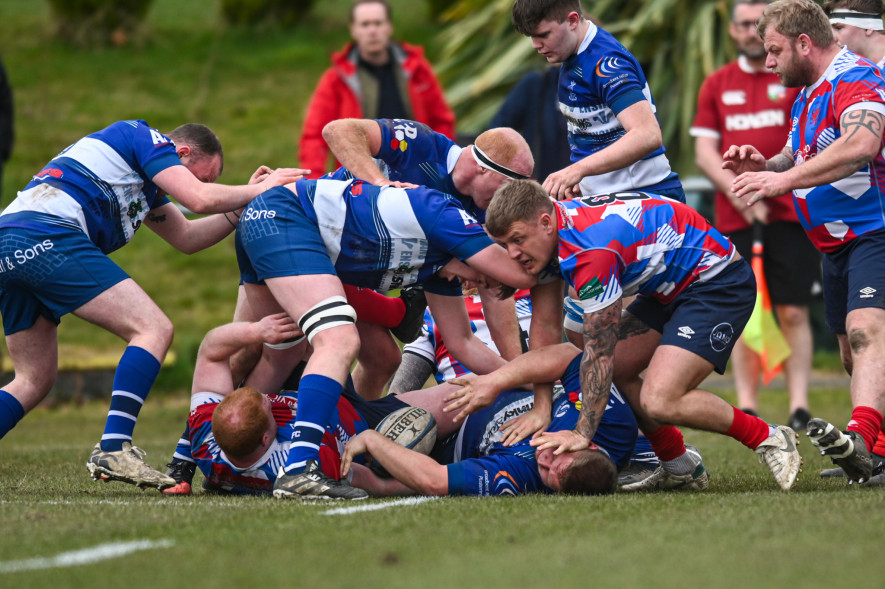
(106, 183)
(613, 245)
(834, 214)
(259, 477)
(431, 346)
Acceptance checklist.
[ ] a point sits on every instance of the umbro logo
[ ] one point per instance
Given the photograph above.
(686, 332)
(867, 292)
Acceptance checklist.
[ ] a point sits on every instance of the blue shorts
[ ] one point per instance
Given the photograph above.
(49, 274)
(277, 238)
(707, 317)
(372, 412)
(854, 278)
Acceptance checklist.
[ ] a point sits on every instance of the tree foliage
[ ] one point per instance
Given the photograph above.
(98, 22)
(678, 43)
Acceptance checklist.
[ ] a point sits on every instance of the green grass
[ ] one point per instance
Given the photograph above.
(742, 532)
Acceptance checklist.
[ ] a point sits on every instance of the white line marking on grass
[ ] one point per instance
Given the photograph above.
(377, 506)
(84, 556)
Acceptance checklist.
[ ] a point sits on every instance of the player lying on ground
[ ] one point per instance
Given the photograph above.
(240, 440)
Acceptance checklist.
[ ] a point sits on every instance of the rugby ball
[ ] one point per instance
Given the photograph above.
(412, 427)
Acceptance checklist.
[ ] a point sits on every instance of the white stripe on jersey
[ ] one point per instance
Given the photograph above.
(331, 211)
(408, 242)
(49, 200)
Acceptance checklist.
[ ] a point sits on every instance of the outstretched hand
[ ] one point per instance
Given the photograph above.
(278, 328)
(476, 392)
(527, 424)
(743, 158)
(564, 184)
(561, 441)
(355, 446)
(280, 177)
(754, 186)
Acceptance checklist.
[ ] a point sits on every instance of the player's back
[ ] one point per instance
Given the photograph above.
(105, 178)
(658, 246)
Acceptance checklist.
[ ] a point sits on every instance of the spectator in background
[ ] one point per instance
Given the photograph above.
(532, 108)
(7, 133)
(745, 103)
(373, 77)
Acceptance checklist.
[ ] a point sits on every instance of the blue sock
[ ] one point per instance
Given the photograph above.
(317, 397)
(135, 375)
(11, 412)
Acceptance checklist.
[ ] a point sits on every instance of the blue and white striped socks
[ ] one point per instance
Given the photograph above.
(135, 375)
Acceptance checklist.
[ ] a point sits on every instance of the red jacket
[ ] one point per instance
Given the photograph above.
(336, 98)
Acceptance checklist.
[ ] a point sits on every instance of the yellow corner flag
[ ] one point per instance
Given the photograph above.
(762, 334)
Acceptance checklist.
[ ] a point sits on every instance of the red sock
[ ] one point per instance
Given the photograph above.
(879, 448)
(867, 422)
(748, 430)
(374, 307)
(667, 442)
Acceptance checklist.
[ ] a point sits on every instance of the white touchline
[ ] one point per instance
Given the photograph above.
(377, 506)
(84, 556)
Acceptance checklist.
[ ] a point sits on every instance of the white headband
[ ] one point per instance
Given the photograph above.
(861, 20)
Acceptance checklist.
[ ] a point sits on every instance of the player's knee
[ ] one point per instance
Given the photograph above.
(792, 315)
(656, 407)
(165, 331)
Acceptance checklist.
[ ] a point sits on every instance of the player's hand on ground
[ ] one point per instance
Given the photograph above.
(476, 392)
(743, 158)
(561, 441)
(355, 446)
(564, 184)
(527, 424)
(754, 186)
(278, 328)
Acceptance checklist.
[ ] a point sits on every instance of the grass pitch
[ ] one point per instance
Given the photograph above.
(61, 528)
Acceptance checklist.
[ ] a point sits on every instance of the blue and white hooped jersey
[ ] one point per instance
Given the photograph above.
(622, 244)
(596, 84)
(413, 152)
(379, 237)
(484, 466)
(431, 346)
(105, 185)
(834, 214)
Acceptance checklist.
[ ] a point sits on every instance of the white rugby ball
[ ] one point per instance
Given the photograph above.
(412, 427)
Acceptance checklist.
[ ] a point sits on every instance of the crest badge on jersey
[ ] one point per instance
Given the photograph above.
(403, 132)
(776, 92)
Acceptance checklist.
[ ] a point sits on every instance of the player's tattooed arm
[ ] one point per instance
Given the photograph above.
(631, 326)
(862, 121)
(781, 162)
(155, 218)
(601, 331)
